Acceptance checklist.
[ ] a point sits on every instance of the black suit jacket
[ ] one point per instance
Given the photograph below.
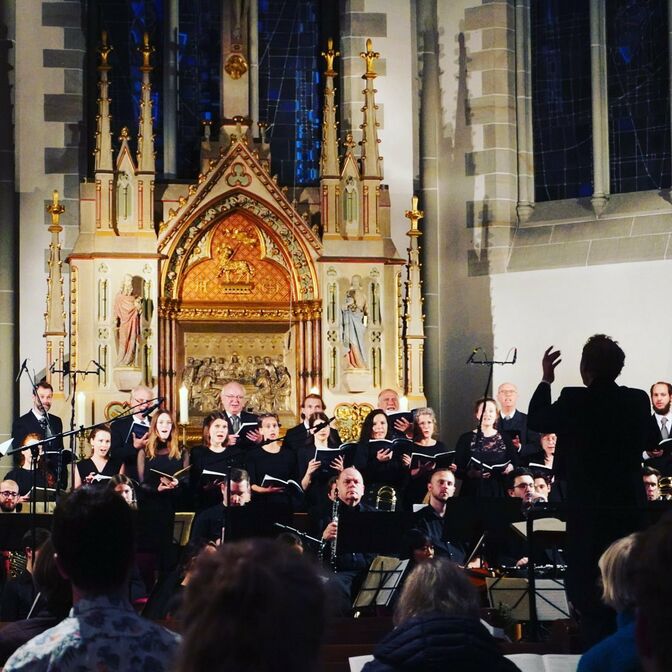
(29, 424)
(122, 447)
(244, 417)
(529, 440)
(602, 430)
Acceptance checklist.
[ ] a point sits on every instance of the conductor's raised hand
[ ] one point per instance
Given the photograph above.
(550, 360)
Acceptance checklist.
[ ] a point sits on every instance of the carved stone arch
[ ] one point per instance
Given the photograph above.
(238, 266)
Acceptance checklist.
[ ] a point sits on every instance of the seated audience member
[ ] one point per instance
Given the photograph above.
(315, 475)
(291, 540)
(23, 472)
(98, 467)
(652, 584)
(18, 594)
(513, 423)
(350, 568)
(53, 605)
(616, 653)
(483, 459)
(437, 626)
(9, 496)
(431, 518)
(213, 455)
(253, 606)
(297, 436)
(272, 461)
(425, 431)
(93, 536)
(123, 485)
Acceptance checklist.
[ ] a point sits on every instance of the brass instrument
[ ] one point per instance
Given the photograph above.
(386, 498)
(665, 487)
(334, 519)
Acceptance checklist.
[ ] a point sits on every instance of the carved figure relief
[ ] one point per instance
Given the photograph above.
(127, 317)
(354, 319)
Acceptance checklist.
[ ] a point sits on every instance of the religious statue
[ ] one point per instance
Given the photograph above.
(351, 200)
(354, 315)
(127, 311)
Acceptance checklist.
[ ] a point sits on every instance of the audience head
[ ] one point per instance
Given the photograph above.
(521, 484)
(601, 359)
(124, 486)
(43, 397)
(141, 399)
(240, 488)
(236, 609)
(162, 434)
(441, 485)
(375, 426)
(417, 546)
(350, 486)
(439, 586)
(312, 403)
(388, 399)
(53, 587)
(233, 398)
(651, 480)
(100, 440)
(616, 570)
(660, 397)
(653, 595)
(9, 496)
(507, 396)
(424, 424)
(291, 540)
(215, 429)
(93, 533)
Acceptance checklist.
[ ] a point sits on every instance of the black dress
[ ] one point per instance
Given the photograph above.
(280, 465)
(205, 492)
(416, 488)
(494, 449)
(111, 468)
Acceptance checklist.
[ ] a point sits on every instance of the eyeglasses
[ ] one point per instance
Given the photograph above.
(238, 397)
(9, 493)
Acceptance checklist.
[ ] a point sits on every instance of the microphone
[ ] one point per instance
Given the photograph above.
(22, 369)
(148, 411)
(316, 428)
(471, 356)
(100, 367)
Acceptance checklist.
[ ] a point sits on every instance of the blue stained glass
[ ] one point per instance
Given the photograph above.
(561, 99)
(639, 95)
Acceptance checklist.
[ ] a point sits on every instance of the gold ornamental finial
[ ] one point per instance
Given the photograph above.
(104, 50)
(415, 216)
(146, 50)
(55, 209)
(329, 56)
(124, 133)
(349, 142)
(370, 57)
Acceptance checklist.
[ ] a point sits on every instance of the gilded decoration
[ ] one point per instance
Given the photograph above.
(208, 270)
(236, 268)
(349, 419)
(236, 65)
(258, 361)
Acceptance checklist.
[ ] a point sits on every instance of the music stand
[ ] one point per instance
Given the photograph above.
(549, 603)
(382, 580)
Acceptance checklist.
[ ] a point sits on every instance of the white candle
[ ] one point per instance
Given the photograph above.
(184, 405)
(81, 409)
(403, 403)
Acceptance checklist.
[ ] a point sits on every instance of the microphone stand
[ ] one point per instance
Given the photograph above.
(72, 375)
(490, 363)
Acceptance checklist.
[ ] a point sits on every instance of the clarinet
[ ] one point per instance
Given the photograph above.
(334, 519)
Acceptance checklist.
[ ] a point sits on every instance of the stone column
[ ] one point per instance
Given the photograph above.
(8, 227)
(172, 13)
(598, 70)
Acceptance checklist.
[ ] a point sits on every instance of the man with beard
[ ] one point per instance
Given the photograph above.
(9, 496)
(430, 519)
(660, 428)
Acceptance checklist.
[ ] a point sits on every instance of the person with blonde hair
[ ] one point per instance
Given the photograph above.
(618, 652)
(437, 626)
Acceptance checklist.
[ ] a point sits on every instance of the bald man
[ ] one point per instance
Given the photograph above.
(233, 398)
